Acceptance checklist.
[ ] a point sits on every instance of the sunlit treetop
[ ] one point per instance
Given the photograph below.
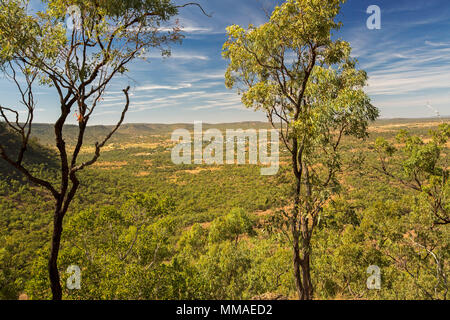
(99, 34)
(295, 30)
(292, 67)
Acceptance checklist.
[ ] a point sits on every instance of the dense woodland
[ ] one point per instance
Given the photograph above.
(352, 194)
(143, 228)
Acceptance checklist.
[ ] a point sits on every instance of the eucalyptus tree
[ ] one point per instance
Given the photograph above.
(421, 249)
(306, 82)
(78, 60)
(420, 166)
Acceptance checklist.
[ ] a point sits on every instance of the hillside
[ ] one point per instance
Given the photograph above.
(133, 132)
(129, 132)
(209, 225)
(37, 155)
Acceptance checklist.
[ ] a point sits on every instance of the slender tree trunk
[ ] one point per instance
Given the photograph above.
(297, 273)
(294, 226)
(301, 258)
(307, 283)
(55, 282)
(302, 274)
(297, 260)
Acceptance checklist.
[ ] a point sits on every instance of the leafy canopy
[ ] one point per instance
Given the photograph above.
(109, 35)
(293, 69)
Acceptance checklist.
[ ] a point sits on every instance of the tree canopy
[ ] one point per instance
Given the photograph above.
(307, 83)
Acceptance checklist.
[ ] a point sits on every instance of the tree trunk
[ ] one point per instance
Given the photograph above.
(307, 283)
(55, 282)
(302, 274)
(302, 277)
(297, 273)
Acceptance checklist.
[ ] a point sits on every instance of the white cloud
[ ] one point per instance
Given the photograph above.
(177, 55)
(437, 44)
(151, 87)
(391, 83)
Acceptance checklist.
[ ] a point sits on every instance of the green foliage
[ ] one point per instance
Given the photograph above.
(113, 244)
(420, 165)
(374, 222)
(79, 62)
(231, 226)
(311, 90)
(177, 234)
(109, 28)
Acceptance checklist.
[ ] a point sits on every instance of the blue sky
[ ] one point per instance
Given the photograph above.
(407, 60)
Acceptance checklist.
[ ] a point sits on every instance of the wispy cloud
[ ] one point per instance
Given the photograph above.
(178, 55)
(151, 87)
(406, 68)
(437, 44)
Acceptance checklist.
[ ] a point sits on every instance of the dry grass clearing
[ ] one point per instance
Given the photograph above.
(197, 171)
(174, 180)
(142, 154)
(116, 146)
(110, 165)
(396, 127)
(143, 174)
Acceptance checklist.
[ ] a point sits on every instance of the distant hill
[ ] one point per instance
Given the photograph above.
(37, 156)
(129, 132)
(400, 121)
(141, 131)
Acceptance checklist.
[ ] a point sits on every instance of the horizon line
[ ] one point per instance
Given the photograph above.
(233, 122)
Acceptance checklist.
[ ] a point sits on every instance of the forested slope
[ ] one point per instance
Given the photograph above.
(144, 228)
